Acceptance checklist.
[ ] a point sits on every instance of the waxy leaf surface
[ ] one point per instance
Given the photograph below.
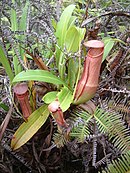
(29, 128)
(50, 97)
(62, 25)
(65, 98)
(38, 75)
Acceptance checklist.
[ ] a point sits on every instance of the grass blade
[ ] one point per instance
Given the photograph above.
(5, 63)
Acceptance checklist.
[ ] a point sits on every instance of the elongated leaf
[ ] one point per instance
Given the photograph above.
(72, 21)
(60, 61)
(38, 75)
(81, 32)
(29, 128)
(119, 40)
(23, 25)
(72, 39)
(50, 97)
(23, 20)
(66, 20)
(62, 25)
(4, 106)
(14, 27)
(72, 72)
(5, 63)
(65, 98)
(109, 43)
(14, 22)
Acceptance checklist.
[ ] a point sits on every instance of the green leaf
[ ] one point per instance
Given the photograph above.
(82, 33)
(50, 97)
(29, 128)
(82, 130)
(13, 18)
(54, 24)
(4, 106)
(23, 20)
(72, 39)
(5, 63)
(66, 20)
(109, 43)
(65, 98)
(38, 75)
(62, 25)
(72, 21)
(111, 123)
(23, 26)
(61, 63)
(72, 72)
(119, 40)
(14, 27)
(121, 164)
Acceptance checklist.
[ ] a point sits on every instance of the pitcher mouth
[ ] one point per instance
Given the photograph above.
(96, 48)
(97, 55)
(94, 44)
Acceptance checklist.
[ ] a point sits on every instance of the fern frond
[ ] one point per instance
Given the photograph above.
(118, 104)
(85, 116)
(102, 120)
(120, 165)
(81, 131)
(124, 109)
(111, 123)
(59, 139)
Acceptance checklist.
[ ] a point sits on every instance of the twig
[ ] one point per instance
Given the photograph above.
(5, 122)
(49, 148)
(124, 90)
(112, 13)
